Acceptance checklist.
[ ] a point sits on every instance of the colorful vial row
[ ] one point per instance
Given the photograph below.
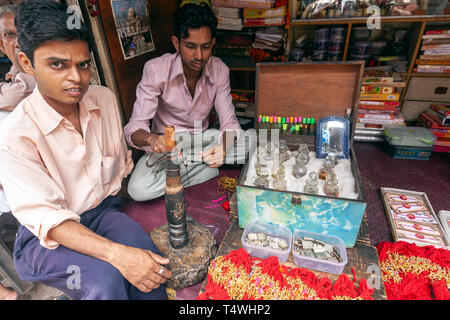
(288, 125)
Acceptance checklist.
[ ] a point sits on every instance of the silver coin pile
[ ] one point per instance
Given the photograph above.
(266, 241)
(317, 249)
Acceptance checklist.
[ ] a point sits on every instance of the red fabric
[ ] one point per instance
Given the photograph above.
(321, 287)
(421, 284)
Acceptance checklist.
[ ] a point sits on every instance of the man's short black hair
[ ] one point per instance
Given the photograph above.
(193, 16)
(39, 21)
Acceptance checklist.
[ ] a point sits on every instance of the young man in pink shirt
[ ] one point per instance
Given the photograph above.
(181, 89)
(63, 160)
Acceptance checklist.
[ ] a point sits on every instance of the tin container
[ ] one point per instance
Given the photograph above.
(322, 34)
(360, 33)
(338, 34)
(320, 264)
(320, 44)
(335, 55)
(297, 54)
(319, 55)
(414, 143)
(336, 46)
(361, 48)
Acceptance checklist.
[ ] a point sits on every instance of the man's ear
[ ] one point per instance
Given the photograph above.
(213, 41)
(2, 48)
(176, 43)
(26, 63)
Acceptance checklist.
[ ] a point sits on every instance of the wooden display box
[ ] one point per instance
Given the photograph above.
(317, 90)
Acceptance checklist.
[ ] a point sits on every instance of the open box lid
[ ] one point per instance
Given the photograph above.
(314, 90)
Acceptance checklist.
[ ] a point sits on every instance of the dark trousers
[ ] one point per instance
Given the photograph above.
(80, 276)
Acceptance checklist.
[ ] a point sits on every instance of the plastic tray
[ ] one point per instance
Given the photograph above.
(318, 264)
(271, 230)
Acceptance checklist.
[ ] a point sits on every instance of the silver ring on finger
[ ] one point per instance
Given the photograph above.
(161, 270)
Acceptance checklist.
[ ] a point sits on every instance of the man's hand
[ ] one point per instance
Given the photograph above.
(157, 143)
(141, 267)
(214, 157)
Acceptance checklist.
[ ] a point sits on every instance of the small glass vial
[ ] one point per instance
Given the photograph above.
(328, 165)
(283, 148)
(331, 187)
(261, 182)
(299, 169)
(262, 154)
(311, 183)
(278, 172)
(272, 150)
(303, 148)
(279, 184)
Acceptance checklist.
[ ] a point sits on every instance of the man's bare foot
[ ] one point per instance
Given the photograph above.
(6, 294)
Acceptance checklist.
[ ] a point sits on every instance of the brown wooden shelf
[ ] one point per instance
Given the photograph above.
(361, 20)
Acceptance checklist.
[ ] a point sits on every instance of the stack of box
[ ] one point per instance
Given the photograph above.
(265, 17)
(378, 106)
(268, 44)
(228, 18)
(435, 56)
(437, 119)
(233, 44)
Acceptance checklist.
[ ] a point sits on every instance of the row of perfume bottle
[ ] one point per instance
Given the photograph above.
(288, 125)
(271, 160)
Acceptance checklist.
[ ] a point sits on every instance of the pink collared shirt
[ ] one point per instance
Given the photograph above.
(13, 92)
(50, 172)
(163, 95)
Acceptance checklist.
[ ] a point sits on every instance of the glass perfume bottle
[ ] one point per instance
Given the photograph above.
(311, 183)
(299, 169)
(262, 154)
(328, 165)
(261, 182)
(283, 149)
(280, 184)
(262, 168)
(279, 180)
(303, 148)
(331, 187)
(278, 171)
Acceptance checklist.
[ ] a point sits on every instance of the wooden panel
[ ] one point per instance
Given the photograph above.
(313, 90)
(129, 72)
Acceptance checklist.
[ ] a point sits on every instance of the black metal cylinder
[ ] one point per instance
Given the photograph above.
(175, 206)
